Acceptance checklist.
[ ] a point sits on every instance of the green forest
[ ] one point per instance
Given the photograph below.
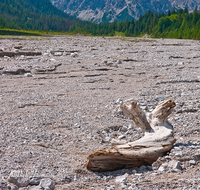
(178, 23)
(43, 16)
(34, 15)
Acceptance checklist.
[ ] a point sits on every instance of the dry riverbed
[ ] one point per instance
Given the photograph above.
(60, 99)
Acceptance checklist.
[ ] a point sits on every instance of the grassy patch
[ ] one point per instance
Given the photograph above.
(20, 32)
(15, 32)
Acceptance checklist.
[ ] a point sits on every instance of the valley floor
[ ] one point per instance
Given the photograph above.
(58, 107)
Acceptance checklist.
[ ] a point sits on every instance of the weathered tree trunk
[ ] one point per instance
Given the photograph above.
(157, 140)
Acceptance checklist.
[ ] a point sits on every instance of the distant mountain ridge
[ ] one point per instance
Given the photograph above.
(119, 10)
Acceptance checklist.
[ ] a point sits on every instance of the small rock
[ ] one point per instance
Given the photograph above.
(23, 188)
(47, 184)
(178, 153)
(35, 188)
(111, 188)
(16, 178)
(180, 63)
(121, 137)
(133, 171)
(160, 98)
(124, 129)
(162, 168)
(175, 165)
(3, 184)
(119, 62)
(34, 181)
(149, 168)
(130, 127)
(192, 162)
(115, 142)
(119, 111)
(67, 179)
(121, 179)
(75, 54)
(119, 101)
(142, 168)
(16, 50)
(11, 186)
(28, 75)
(109, 63)
(176, 170)
(107, 139)
(156, 164)
(58, 53)
(196, 156)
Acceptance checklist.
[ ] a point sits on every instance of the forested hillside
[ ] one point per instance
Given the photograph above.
(33, 15)
(42, 15)
(176, 24)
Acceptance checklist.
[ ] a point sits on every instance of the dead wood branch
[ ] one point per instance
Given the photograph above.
(26, 53)
(157, 140)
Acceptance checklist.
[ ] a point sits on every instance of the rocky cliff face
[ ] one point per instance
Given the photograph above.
(120, 10)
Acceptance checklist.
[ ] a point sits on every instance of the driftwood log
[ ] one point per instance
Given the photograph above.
(157, 140)
(12, 54)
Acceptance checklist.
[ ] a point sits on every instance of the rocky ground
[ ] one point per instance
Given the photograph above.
(61, 102)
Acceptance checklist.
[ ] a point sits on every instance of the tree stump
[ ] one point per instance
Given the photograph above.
(157, 140)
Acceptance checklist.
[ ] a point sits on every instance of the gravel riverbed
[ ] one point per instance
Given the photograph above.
(61, 102)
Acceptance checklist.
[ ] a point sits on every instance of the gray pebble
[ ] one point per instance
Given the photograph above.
(47, 184)
(192, 162)
(121, 137)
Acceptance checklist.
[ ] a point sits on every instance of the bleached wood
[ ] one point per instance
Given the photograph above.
(157, 140)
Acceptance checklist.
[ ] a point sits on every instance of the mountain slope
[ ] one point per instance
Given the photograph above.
(118, 10)
(34, 15)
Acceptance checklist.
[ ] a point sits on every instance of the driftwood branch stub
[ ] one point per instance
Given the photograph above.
(157, 140)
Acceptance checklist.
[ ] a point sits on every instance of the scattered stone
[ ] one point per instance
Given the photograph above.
(121, 137)
(178, 153)
(34, 181)
(35, 188)
(109, 63)
(28, 75)
(163, 167)
(16, 178)
(156, 164)
(124, 129)
(107, 139)
(121, 179)
(119, 62)
(23, 188)
(58, 53)
(119, 101)
(115, 142)
(130, 127)
(173, 164)
(160, 98)
(11, 186)
(47, 184)
(180, 63)
(142, 168)
(75, 54)
(192, 162)
(196, 156)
